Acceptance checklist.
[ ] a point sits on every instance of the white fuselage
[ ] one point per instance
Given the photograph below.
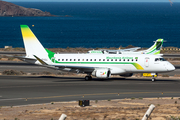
(117, 63)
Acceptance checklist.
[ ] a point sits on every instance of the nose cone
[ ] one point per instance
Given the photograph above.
(170, 67)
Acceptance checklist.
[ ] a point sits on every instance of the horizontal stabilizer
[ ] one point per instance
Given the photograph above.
(24, 58)
(41, 61)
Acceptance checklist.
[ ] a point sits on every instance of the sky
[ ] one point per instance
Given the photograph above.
(92, 0)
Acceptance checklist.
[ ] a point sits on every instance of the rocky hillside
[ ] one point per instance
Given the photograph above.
(10, 9)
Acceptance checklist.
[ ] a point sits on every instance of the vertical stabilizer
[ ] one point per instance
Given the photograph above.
(156, 48)
(32, 44)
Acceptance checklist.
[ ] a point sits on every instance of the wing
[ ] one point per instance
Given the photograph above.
(84, 69)
(124, 50)
(131, 49)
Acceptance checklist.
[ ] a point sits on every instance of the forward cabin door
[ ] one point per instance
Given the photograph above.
(146, 62)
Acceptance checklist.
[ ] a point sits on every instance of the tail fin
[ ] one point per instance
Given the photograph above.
(156, 48)
(32, 44)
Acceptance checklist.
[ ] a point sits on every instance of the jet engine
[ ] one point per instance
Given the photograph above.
(102, 73)
(127, 75)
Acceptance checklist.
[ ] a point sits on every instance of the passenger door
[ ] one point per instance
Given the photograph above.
(146, 62)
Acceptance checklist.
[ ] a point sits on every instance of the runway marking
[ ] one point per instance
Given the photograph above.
(20, 67)
(100, 94)
(11, 99)
(119, 94)
(29, 86)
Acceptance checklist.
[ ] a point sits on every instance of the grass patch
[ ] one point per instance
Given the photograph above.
(158, 104)
(172, 118)
(165, 75)
(46, 73)
(13, 72)
(133, 98)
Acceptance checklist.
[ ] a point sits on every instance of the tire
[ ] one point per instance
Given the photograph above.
(153, 79)
(86, 78)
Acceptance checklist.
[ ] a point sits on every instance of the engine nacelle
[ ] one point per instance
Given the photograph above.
(102, 73)
(127, 75)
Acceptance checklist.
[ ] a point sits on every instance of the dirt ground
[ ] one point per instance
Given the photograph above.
(122, 109)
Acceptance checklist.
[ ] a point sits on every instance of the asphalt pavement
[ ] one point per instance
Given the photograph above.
(23, 90)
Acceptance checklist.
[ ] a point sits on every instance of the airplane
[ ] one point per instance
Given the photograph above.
(99, 65)
(154, 49)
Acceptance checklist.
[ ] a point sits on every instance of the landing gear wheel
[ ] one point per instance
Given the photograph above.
(88, 78)
(153, 79)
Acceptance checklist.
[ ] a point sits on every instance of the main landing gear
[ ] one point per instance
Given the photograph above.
(88, 78)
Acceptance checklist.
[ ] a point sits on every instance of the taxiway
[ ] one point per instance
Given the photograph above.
(23, 90)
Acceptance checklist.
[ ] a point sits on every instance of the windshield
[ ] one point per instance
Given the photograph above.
(160, 59)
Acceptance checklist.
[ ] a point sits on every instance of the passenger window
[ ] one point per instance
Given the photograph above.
(103, 59)
(82, 59)
(86, 59)
(124, 60)
(127, 59)
(74, 59)
(136, 59)
(94, 59)
(62, 59)
(132, 60)
(115, 59)
(90, 59)
(78, 59)
(111, 59)
(66, 59)
(119, 59)
(58, 59)
(107, 59)
(70, 59)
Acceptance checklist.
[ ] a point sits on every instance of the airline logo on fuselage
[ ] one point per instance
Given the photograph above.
(120, 57)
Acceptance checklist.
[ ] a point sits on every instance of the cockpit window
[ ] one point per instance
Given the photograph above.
(160, 59)
(156, 59)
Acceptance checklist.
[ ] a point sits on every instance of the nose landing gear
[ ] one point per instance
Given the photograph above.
(153, 78)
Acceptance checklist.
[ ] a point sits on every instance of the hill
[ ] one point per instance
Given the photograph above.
(10, 9)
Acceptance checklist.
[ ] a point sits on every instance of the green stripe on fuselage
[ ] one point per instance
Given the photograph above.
(136, 65)
(51, 55)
